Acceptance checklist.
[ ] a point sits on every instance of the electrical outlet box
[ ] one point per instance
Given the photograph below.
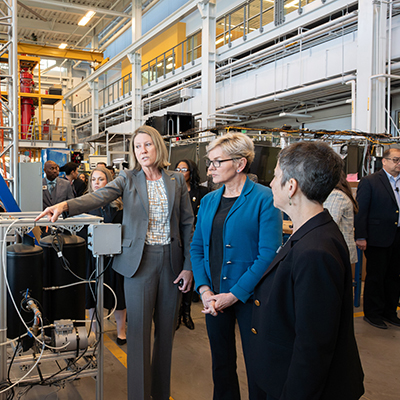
(104, 239)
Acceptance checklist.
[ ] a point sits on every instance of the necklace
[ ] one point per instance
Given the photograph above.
(284, 244)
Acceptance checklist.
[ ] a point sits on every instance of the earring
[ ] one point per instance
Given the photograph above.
(238, 170)
(290, 200)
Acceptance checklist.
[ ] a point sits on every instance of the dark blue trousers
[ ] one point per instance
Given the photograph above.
(221, 333)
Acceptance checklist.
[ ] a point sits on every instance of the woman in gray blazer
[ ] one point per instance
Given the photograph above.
(157, 228)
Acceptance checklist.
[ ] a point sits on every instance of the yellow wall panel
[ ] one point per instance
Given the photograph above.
(170, 38)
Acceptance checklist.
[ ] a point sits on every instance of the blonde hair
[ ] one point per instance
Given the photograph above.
(116, 203)
(235, 145)
(158, 141)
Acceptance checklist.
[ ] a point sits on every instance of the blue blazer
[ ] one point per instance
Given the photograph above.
(252, 233)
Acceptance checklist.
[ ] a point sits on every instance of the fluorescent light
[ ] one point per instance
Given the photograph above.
(63, 46)
(84, 20)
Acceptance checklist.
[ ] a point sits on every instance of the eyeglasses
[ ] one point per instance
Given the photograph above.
(396, 160)
(217, 163)
(181, 170)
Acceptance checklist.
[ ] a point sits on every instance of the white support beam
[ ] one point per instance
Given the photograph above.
(371, 36)
(208, 14)
(175, 17)
(74, 6)
(135, 60)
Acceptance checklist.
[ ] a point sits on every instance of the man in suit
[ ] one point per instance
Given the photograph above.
(377, 232)
(55, 189)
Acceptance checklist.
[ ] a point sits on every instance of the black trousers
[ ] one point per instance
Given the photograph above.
(221, 333)
(382, 282)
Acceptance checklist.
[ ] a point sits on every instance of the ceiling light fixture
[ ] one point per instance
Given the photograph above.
(88, 16)
(63, 46)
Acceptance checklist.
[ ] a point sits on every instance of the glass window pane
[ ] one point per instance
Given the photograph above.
(237, 24)
(268, 16)
(253, 9)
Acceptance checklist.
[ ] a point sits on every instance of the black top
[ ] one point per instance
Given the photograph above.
(217, 241)
(196, 194)
(79, 187)
(111, 277)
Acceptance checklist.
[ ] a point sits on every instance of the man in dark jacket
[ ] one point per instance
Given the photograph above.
(378, 234)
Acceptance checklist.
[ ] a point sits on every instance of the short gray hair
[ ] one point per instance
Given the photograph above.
(314, 165)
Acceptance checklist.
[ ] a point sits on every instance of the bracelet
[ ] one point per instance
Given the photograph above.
(206, 290)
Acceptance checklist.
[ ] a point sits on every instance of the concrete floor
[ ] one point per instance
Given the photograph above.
(191, 372)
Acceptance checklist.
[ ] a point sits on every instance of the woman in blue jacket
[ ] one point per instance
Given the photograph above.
(237, 234)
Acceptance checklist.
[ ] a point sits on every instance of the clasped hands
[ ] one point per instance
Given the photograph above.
(215, 303)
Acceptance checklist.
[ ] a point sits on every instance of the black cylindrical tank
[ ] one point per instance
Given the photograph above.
(66, 303)
(24, 272)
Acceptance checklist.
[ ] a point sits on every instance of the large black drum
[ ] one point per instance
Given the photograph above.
(24, 273)
(66, 303)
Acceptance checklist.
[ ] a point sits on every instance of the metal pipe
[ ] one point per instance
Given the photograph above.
(389, 67)
(287, 93)
(100, 325)
(3, 316)
(353, 103)
(178, 15)
(14, 97)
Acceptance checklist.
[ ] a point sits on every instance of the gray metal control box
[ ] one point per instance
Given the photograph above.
(104, 239)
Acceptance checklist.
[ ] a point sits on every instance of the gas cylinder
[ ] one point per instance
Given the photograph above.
(27, 107)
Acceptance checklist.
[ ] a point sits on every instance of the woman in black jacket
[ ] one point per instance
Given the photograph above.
(112, 213)
(196, 192)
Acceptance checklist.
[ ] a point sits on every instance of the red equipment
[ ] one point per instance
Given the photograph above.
(27, 107)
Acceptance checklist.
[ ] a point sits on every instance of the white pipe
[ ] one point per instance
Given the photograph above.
(175, 17)
(116, 36)
(97, 23)
(282, 95)
(245, 61)
(353, 103)
(285, 43)
(389, 69)
(370, 94)
(112, 30)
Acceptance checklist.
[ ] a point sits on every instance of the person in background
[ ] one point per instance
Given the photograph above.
(157, 228)
(342, 206)
(84, 178)
(192, 178)
(303, 345)
(237, 233)
(101, 164)
(71, 174)
(377, 232)
(112, 170)
(111, 213)
(55, 189)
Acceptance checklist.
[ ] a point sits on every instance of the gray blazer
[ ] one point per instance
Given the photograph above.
(61, 192)
(131, 186)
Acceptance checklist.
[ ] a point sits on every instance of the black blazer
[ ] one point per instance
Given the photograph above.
(196, 194)
(303, 345)
(376, 220)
